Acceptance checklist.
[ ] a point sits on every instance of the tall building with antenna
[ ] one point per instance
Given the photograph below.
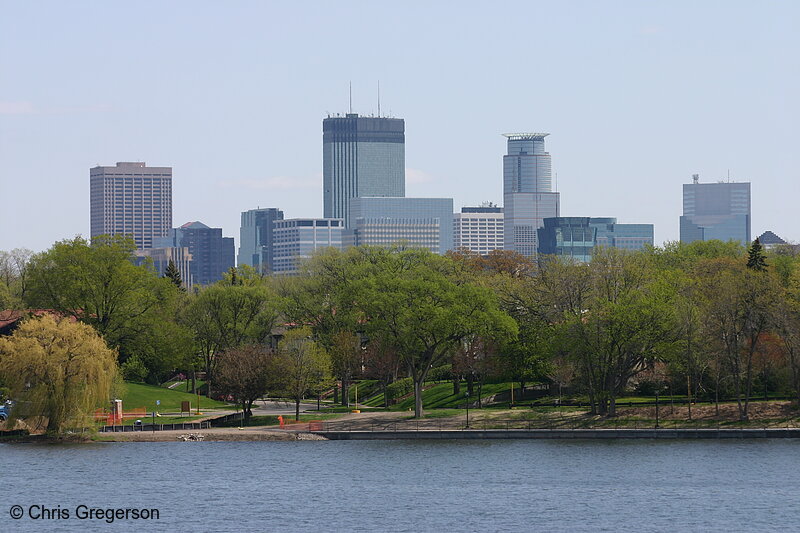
(528, 195)
(361, 156)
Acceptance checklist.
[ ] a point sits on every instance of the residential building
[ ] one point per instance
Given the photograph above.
(255, 238)
(528, 194)
(212, 254)
(131, 199)
(296, 239)
(361, 156)
(159, 258)
(414, 222)
(578, 237)
(715, 211)
(478, 229)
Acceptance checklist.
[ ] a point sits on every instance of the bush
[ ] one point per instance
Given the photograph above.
(441, 373)
(134, 370)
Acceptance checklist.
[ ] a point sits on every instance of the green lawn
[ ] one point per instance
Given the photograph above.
(440, 396)
(135, 395)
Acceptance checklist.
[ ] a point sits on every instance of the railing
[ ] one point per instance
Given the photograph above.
(206, 424)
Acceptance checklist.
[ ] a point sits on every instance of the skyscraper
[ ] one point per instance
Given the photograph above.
(296, 239)
(255, 238)
(361, 156)
(527, 191)
(578, 237)
(211, 253)
(715, 211)
(131, 199)
(478, 229)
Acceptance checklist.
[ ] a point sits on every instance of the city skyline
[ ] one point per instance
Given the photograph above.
(637, 98)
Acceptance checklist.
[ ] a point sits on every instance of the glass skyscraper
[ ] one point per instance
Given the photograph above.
(255, 238)
(577, 237)
(361, 156)
(715, 211)
(528, 194)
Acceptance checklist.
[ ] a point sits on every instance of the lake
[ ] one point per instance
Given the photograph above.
(525, 485)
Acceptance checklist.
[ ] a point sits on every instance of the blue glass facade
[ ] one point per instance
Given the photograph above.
(577, 237)
(361, 156)
(255, 238)
(212, 254)
(418, 222)
(716, 211)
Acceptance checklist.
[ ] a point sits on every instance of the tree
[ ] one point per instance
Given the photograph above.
(303, 363)
(239, 310)
(408, 299)
(246, 373)
(59, 369)
(172, 274)
(756, 260)
(346, 357)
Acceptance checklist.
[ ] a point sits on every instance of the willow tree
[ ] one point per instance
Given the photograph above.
(60, 370)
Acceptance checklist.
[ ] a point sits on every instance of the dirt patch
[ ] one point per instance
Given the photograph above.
(727, 411)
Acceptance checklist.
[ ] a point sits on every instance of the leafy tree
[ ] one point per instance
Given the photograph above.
(304, 365)
(60, 369)
(246, 373)
(172, 274)
(134, 369)
(346, 357)
(408, 298)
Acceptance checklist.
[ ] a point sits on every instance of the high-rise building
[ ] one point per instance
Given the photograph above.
(131, 199)
(578, 237)
(715, 211)
(528, 194)
(478, 229)
(255, 238)
(159, 259)
(211, 254)
(296, 239)
(414, 222)
(361, 156)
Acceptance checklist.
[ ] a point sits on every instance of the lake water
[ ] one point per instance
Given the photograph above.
(409, 485)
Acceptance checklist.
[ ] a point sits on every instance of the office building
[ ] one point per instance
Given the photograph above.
(715, 211)
(255, 238)
(296, 239)
(478, 229)
(212, 254)
(361, 156)
(159, 259)
(131, 199)
(579, 237)
(413, 222)
(528, 194)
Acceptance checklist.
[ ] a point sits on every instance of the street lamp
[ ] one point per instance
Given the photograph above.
(466, 394)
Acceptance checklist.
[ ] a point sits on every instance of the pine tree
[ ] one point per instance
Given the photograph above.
(174, 275)
(756, 259)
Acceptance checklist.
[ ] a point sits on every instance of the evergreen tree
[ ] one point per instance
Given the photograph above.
(756, 260)
(172, 274)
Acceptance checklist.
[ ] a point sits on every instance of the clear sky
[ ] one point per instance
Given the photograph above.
(637, 96)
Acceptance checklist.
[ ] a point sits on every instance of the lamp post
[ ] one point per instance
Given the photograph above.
(466, 394)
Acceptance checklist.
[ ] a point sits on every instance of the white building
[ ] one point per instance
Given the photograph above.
(478, 229)
(296, 239)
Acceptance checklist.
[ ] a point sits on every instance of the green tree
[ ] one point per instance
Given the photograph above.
(756, 260)
(409, 299)
(172, 274)
(59, 369)
(304, 365)
(246, 373)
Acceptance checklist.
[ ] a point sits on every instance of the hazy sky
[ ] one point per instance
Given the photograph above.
(637, 96)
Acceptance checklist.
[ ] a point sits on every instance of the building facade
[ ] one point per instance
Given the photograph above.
(212, 254)
(579, 237)
(478, 229)
(131, 199)
(528, 194)
(715, 211)
(296, 239)
(255, 238)
(414, 222)
(159, 258)
(361, 156)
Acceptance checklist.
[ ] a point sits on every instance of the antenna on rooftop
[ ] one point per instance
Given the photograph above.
(695, 178)
(351, 97)
(379, 98)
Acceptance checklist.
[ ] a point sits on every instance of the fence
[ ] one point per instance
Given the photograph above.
(156, 427)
